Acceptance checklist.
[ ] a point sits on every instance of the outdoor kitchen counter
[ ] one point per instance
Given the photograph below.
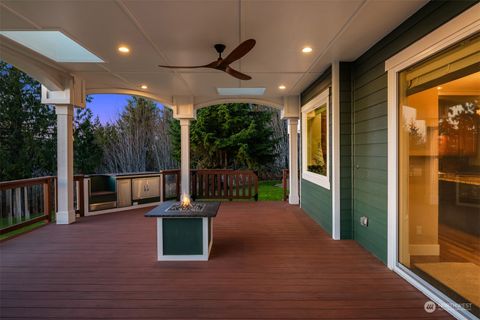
(184, 235)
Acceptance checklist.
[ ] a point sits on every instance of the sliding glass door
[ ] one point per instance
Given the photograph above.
(439, 171)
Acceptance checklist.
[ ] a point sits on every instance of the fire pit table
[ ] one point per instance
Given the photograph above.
(184, 233)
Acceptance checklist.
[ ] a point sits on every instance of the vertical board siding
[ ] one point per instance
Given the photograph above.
(316, 201)
(370, 121)
(346, 223)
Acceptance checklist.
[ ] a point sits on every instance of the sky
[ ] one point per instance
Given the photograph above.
(108, 106)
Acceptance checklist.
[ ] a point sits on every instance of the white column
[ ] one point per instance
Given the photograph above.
(293, 197)
(185, 156)
(65, 210)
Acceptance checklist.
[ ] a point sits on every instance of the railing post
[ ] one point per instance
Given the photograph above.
(47, 200)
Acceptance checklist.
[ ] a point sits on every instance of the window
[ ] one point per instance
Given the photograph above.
(439, 171)
(315, 153)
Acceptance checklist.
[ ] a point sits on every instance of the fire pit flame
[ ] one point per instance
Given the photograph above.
(185, 202)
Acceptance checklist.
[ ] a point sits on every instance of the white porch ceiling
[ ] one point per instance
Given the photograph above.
(184, 32)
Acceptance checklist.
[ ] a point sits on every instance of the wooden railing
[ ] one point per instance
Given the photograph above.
(224, 184)
(25, 202)
(212, 184)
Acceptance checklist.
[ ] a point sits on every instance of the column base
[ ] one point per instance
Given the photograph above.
(65, 217)
(293, 199)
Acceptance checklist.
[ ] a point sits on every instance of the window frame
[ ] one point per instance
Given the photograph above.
(322, 99)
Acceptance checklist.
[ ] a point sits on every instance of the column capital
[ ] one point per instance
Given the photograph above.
(291, 107)
(183, 107)
(74, 94)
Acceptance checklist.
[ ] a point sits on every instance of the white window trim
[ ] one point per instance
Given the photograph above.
(453, 31)
(318, 179)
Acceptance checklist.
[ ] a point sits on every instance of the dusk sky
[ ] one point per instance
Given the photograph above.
(109, 106)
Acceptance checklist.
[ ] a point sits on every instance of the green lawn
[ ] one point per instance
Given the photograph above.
(270, 190)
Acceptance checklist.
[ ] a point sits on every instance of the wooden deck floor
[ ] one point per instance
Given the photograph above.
(269, 260)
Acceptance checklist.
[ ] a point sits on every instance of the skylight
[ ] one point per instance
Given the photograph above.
(241, 91)
(52, 44)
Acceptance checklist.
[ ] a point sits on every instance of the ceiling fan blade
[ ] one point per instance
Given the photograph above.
(242, 49)
(237, 74)
(210, 65)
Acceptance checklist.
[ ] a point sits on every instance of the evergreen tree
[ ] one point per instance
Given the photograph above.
(236, 136)
(27, 128)
(87, 146)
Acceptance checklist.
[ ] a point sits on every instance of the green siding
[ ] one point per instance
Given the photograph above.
(317, 87)
(316, 201)
(370, 120)
(346, 223)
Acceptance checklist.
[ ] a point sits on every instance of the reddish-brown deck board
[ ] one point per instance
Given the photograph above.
(269, 260)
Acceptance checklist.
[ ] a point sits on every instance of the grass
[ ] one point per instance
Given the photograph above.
(270, 190)
(22, 230)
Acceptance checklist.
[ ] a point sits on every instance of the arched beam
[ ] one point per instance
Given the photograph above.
(166, 102)
(264, 102)
(52, 78)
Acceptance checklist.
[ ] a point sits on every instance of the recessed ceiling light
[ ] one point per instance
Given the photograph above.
(144, 86)
(52, 44)
(282, 87)
(439, 88)
(307, 50)
(124, 49)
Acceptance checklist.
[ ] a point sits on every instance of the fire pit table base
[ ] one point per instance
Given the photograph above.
(184, 236)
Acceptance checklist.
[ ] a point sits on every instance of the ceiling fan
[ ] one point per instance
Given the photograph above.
(224, 64)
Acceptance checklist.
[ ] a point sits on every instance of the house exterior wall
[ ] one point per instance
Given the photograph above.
(363, 132)
(370, 121)
(346, 222)
(315, 200)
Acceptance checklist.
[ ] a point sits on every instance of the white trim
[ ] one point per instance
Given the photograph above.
(336, 150)
(319, 100)
(453, 31)
(432, 293)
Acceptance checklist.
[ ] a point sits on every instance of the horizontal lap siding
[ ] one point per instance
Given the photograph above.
(346, 227)
(316, 201)
(370, 120)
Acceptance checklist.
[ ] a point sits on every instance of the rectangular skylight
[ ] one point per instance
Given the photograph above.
(241, 91)
(52, 44)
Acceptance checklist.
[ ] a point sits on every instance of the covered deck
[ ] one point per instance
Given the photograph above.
(269, 260)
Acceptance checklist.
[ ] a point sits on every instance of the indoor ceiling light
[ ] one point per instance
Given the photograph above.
(282, 87)
(52, 44)
(439, 88)
(123, 49)
(307, 50)
(144, 86)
